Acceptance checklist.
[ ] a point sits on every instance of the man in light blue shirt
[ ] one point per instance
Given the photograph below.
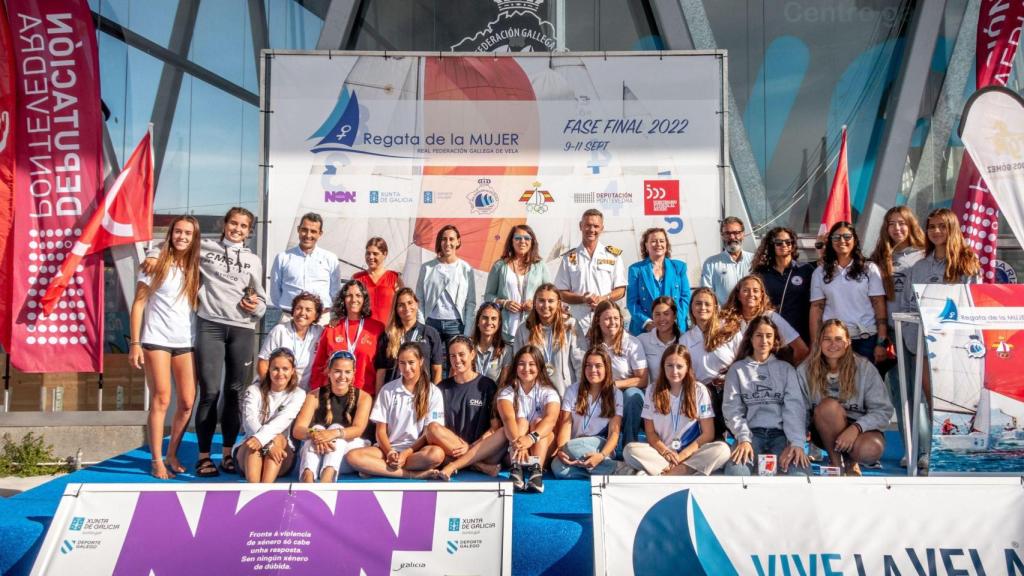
(305, 268)
(722, 272)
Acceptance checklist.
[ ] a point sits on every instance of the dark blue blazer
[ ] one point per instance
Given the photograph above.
(643, 289)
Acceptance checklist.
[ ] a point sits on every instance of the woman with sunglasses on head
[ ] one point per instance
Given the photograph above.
(268, 410)
(786, 280)
(162, 330)
(849, 287)
(679, 423)
(403, 410)
(628, 364)
(301, 335)
(446, 287)
(527, 404)
(332, 421)
(492, 355)
(591, 418)
(764, 405)
(514, 278)
(551, 332)
(352, 328)
(749, 300)
(900, 245)
(380, 282)
(231, 302)
(656, 275)
(665, 332)
(403, 327)
(850, 405)
(712, 343)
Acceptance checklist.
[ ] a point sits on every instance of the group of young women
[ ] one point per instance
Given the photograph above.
(796, 351)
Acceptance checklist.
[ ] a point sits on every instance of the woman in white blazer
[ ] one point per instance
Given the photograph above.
(447, 288)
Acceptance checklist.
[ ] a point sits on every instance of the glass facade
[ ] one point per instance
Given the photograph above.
(798, 72)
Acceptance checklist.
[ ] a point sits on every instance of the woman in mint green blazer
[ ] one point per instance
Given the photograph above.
(656, 275)
(514, 278)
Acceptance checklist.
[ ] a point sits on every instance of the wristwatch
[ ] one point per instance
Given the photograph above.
(535, 436)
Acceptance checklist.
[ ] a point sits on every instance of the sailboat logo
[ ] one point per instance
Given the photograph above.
(949, 312)
(338, 132)
(1002, 348)
(695, 550)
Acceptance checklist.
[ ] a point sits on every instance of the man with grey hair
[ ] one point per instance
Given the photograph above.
(723, 271)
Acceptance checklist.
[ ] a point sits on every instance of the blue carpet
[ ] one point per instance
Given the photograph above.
(552, 532)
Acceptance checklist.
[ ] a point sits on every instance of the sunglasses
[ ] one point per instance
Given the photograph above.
(522, 238)
(846, 236)
(342, 355)
(782, 242)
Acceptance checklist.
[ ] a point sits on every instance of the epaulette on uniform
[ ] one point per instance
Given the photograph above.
(571, 255)
(613, 250)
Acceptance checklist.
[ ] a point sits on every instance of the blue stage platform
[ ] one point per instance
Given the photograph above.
(552, 532)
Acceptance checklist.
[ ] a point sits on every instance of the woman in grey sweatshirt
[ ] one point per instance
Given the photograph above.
(763, 404)
(849, 403)
(231, 302)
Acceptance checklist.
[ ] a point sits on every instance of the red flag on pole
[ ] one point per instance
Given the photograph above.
(125, 215)
(837, 209)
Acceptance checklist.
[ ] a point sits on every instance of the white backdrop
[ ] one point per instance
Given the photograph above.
(398, 145)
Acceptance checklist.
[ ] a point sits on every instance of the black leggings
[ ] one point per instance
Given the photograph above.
(225, 350)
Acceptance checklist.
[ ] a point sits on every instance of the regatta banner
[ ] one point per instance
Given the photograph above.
(316, 529)
(974, 337)
(8, 111)
(992, 130)
(57, 149)
(781, 526)
(397, 146)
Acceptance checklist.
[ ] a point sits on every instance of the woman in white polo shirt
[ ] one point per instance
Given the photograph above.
(748, 300)
(162, 336)
(629, 364)
(679, 423)
(527, 403)
(301, 335)
(849, 287)
(666, 332)
(402, 411)
(588, 427)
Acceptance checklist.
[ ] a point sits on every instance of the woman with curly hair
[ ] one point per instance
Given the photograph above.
(749, 300)
(301, 334)
(787, 281)
(352, 328)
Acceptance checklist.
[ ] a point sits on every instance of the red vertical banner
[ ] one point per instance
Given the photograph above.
(999, 29)
(8, 110)
(58, 152)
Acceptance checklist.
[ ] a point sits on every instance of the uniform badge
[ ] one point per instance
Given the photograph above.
(613, 250)
(572, 257)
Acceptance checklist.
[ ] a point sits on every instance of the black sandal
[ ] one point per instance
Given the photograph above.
(206, 469)
(227, 464)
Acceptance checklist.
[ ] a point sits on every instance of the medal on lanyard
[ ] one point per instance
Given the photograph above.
(359, 331)
(676, 443)
(589, 415)
(549, 367)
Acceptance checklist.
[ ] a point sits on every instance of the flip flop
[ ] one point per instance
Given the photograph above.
(206, 469)
(227, 464)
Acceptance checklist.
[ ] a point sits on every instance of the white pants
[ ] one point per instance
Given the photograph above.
(708, 458)
(317, 463)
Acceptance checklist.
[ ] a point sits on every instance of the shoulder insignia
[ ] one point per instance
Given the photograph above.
(571, 255)
(613, 250)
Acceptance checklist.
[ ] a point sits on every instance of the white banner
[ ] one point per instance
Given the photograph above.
(992, 130)
(350, 529)
(798, 526)
(397, 146)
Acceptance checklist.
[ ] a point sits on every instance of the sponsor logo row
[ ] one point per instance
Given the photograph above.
(660, 197)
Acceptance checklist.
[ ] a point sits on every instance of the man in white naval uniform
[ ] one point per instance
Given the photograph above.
(590, 273)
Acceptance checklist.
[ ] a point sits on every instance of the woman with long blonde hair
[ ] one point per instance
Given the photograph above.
(848, 401)
(162, 338)
(403, 326)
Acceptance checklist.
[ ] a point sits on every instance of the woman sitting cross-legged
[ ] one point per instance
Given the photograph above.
(527, 404)
(402, 411)
(849, 402)
(332, 422)
(268, 411)
(763, 404)
(474, 437)
(679, 423)
(591, 419)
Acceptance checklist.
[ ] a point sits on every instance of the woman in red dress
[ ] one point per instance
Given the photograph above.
(381, 284)
(352, 328)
